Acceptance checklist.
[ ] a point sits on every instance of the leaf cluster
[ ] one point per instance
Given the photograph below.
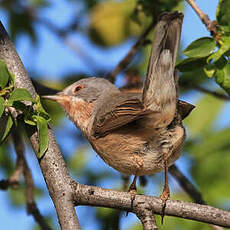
(209, 56)
(12, 103)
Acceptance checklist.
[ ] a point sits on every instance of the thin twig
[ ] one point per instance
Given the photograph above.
(188, 187)
(210, 25)
(129, 56)
(30, 202)
(215, 94)
(204, 90)
(15, 178)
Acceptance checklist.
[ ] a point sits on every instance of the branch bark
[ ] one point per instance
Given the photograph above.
(147, 219)
(95, 196)
(52, 164)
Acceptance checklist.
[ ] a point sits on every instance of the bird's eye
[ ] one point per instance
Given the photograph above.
(78, 88)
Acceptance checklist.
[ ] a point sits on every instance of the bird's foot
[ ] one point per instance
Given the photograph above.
(164, 197)
(132, 191)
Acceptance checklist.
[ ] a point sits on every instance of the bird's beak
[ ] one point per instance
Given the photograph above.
(55, 97)
(59, 97)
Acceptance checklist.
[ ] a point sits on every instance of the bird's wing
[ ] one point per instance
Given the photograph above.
(159, 98)
(116, 113)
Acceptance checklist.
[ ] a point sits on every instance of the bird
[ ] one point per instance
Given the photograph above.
(135, 133)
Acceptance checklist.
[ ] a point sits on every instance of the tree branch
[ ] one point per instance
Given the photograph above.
(215, 94)
(188, 187)
(52, 164)
(30, 202)
(95, 196)
(147, 219)
(210, 25)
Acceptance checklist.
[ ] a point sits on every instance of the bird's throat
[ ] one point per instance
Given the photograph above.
(79, 112)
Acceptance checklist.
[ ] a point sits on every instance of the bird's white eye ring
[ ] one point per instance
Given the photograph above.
(78, 88)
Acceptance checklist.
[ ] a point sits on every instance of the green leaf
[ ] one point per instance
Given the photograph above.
(225, 47)
(20, 94)
(42, 126)
(210, 70)
(7, 127)
(189, 64)
(2, 106)
(222, 77)
(223, 15)
(29, 122)
(4, 74)
(41, 111)
(201, 47)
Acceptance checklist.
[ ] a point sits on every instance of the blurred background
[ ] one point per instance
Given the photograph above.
(62, 41)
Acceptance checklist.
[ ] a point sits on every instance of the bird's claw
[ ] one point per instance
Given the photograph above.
(164, 197)
(132, 191)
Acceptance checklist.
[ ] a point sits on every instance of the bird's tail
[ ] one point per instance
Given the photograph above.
(160, 86)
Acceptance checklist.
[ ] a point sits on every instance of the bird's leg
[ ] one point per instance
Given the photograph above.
(166, 192)
(133, 188)
(133, 191)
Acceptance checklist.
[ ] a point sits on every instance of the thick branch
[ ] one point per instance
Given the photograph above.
(95, 196)
(30, 202)
(52, 164)
(147, 219)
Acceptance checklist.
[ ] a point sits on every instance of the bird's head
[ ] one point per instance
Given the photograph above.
(79, 99)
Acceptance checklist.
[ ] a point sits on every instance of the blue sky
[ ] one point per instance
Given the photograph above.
(50, 58)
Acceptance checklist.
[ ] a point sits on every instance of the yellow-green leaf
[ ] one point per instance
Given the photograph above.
(201, 47)
(7, 128)
(189, 64)
(111, 23)
(41, 111)
(222, 77)
(210, 70)
(20, 94)
(2, 106)
(42, 126)
(223, 15)
(225, 47)
(4, 74)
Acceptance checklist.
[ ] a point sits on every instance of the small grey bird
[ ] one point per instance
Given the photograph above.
(136, 134)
